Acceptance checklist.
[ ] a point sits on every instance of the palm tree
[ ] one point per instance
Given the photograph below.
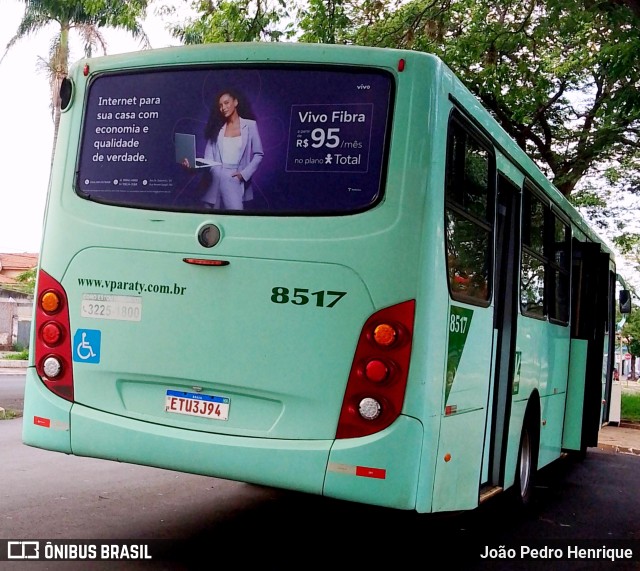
(86, 18)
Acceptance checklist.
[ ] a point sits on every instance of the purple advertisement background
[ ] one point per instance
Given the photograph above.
(322, 133)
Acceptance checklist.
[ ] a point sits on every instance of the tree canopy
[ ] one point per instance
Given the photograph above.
(86, 18)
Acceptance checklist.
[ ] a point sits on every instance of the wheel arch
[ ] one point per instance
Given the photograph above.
(532, 419)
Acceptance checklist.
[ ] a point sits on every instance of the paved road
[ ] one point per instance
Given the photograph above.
(47, 495)
(12, 391)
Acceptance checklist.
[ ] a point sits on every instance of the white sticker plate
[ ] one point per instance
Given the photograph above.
(103, 306)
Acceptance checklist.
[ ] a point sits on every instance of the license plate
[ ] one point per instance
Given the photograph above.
(196, 404)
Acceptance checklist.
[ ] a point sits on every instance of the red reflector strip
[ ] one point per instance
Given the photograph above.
(366, 472)
(362, 471)
(203, 262)
(450, 409)
(39, 421)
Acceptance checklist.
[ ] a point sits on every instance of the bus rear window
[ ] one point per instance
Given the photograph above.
(243, 140)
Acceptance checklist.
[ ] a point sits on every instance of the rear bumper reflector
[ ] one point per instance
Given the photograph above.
(363, 471)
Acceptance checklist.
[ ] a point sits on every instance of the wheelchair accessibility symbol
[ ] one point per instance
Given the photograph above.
(86, 346)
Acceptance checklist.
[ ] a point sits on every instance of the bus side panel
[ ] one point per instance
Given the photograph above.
(45, 422)
(572, 436)
(558, 342)
(381, 469)
(459, 461)
(552, 410)
(544, 367)
(518, 410)
(553, 387)
(533, 366)
(464, 410)
(292, 464)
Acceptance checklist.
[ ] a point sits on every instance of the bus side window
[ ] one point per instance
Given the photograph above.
(468, 216)
(560, 259)
(546, 255)
(533, 271)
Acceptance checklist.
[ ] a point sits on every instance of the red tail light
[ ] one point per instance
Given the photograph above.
(53, 337)
(378, 378)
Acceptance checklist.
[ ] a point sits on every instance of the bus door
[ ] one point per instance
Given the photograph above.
(469, 238)
(608, 363)
(589, 324)
(504, 324)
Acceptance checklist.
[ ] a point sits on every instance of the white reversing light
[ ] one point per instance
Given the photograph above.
(369, 408)
(51, 367)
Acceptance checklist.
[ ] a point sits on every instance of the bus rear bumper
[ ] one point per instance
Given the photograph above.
(45, 420)
(292, 464)
(381, 469)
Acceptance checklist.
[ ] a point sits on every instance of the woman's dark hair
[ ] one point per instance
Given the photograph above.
(216, 120)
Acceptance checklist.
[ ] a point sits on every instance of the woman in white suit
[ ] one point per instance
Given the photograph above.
(234, 142)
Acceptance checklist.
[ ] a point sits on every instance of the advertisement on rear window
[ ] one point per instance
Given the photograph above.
(242, 140)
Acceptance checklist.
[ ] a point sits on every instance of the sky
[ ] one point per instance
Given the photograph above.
(26, 123)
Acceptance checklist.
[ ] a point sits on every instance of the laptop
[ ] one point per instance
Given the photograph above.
(186, 149)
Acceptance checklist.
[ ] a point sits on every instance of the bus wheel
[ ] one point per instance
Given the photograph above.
(526, 467)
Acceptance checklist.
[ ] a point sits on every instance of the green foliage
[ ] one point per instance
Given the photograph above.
(28, 280)
(588, 198)
(562, 79)
(234, 21)
(630, 407)
(324, 21)
(22, 355)
(85, 17)
(631, 333)
(10, 414)
(627, 242)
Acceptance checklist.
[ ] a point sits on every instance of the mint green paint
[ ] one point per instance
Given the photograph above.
(283, 366)
(552, 410)
(293, 464)
(516, 372)
(396, 450)
(457, 481)
(459, 325)
(41, 402)
(574, 408)
(518, 410)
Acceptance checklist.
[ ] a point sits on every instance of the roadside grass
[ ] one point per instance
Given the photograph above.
(19, 356)
(10, 414)
(630, 407)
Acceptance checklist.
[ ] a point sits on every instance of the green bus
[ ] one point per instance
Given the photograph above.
(318, 268)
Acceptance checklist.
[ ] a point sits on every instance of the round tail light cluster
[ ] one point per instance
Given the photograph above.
(378, 378)
(53, 340)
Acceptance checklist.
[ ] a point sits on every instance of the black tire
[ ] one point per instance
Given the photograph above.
(526, 466)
